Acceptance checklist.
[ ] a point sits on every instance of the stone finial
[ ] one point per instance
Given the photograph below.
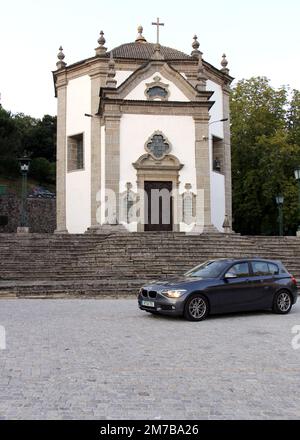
(201, 76)
(111, 81)
(226, 225)
(196, 52)
(224, 64)
(157, 55)
(101, 50)
(61, 56)
(140, 38)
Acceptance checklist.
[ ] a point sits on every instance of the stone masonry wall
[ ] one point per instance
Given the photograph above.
(41, 214)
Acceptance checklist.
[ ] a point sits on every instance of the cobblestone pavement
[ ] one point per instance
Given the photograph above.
(105, 359)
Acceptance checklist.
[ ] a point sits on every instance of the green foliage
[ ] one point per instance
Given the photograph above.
(265, 151)
(19, 133)
(41, 170)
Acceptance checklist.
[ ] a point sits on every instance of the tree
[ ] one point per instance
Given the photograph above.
(10, 143)
(294, 118)
(19, 133)
(38, 135)
(40, 169)
(265, 150)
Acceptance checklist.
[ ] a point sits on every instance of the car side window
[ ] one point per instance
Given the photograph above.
(273, 269)
(260, 268)
(239, 270)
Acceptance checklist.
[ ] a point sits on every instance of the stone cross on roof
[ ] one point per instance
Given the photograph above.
(157, 23)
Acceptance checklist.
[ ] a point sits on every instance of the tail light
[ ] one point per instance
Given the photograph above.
(294, 281)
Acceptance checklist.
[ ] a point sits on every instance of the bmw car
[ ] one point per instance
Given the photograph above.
(222, 286)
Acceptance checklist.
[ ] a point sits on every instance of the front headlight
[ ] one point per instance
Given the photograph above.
(173, 293)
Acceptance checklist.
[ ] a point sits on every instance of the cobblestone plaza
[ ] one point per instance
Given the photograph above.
(104, 359)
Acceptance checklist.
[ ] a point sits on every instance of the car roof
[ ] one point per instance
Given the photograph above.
(248, 259)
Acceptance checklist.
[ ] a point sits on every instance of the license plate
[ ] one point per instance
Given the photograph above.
(148, 304)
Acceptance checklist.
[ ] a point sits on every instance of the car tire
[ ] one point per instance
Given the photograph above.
(282, 302)
(196, 308)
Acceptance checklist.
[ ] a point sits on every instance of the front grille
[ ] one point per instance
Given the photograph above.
(152, 294)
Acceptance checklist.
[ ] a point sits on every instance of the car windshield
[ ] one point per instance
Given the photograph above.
(209, 269)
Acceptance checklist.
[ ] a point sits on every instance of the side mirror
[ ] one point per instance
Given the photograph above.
(229, 275)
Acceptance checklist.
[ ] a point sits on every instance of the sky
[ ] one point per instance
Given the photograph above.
(259, 37)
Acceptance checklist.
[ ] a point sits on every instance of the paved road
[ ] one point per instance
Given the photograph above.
(102, 359)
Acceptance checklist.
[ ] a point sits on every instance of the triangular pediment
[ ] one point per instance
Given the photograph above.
(147, 72)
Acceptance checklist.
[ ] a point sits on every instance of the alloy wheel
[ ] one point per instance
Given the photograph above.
(197, 308)
(284, 302)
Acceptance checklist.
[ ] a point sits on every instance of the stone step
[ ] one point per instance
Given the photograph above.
(116, 260)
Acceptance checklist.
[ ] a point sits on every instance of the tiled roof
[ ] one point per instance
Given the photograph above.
(144, 51)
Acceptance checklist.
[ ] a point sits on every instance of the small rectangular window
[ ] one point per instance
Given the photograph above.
(75, 152)
(218, 154)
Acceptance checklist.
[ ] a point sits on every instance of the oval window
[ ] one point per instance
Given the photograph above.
(157, 91)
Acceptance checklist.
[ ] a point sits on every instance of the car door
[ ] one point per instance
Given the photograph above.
(234, 290)
(262, 283)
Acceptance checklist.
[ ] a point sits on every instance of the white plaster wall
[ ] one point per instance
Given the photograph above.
(217, 181)
(216, 112)
(101, 196)
(135, 130)
(139, 92)
(122, 75)
(78, 190)
(217, 200)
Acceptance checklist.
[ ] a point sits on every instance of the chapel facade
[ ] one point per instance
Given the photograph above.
(143, 140)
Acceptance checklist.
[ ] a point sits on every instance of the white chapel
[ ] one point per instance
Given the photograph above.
(143, 140)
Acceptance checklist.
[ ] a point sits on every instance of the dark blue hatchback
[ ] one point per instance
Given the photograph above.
(223, 286)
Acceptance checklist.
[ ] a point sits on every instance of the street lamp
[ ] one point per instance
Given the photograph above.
(24, 163)
(279, 200)
(297, 177)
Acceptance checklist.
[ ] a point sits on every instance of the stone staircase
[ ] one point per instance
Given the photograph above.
(91, 265)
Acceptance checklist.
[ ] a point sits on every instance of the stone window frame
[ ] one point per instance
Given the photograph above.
(76, 170)
(157, 83)
(166, 141)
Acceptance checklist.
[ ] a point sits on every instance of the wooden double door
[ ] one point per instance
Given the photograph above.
(158, 206)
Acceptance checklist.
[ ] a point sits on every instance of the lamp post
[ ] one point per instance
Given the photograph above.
(24, 163)
(279, 200)
(297, 177)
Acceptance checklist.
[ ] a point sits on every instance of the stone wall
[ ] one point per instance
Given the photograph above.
(41, 214)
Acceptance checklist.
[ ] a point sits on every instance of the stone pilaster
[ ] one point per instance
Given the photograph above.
(61, 155)
(227, 155)
(97, 80)
(112, 158)
(203, 219)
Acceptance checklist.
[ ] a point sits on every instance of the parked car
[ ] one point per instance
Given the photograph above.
(41, 193)
(223, 286)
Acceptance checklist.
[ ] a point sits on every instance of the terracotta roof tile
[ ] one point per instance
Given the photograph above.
(144, 51)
